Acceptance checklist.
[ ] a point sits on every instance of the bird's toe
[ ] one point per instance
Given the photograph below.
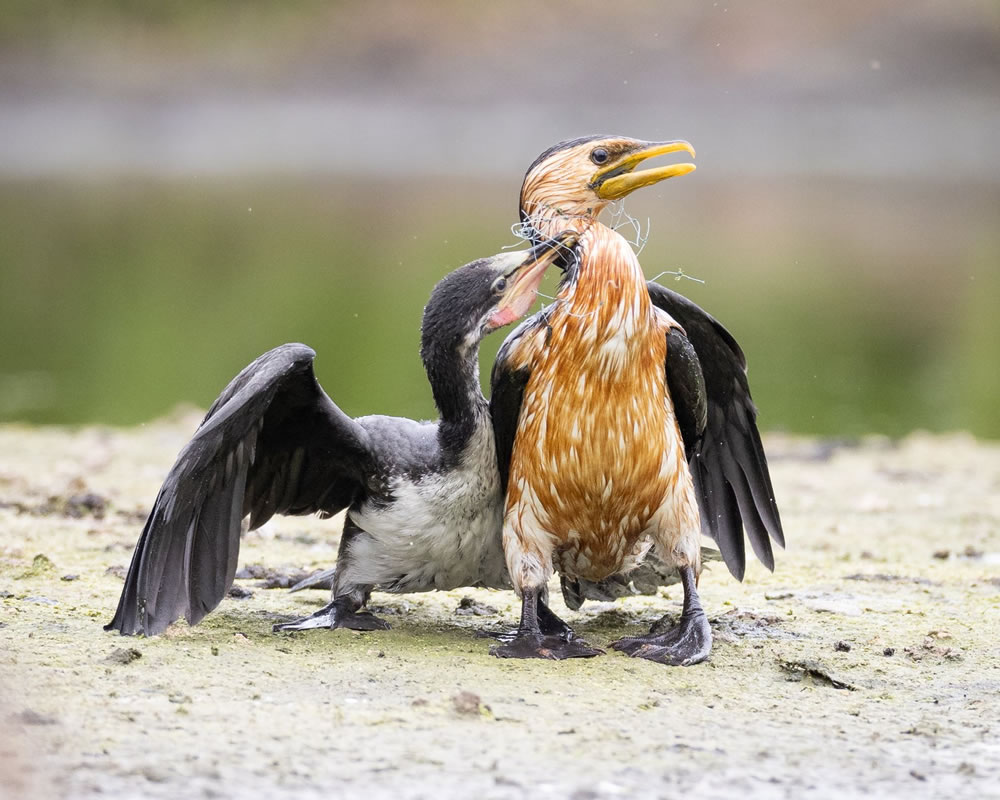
(360, 621)
(686, 644)
(555, 648)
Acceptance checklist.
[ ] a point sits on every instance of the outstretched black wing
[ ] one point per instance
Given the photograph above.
(727, 459)
(273, 443)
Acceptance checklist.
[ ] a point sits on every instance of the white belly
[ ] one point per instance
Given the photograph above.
(440, 533)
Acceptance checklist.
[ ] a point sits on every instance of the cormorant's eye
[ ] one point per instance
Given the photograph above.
(500, 286)
(599, 156)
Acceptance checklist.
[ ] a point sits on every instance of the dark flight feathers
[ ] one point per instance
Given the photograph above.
(727, 461)
(272, 443)
(506, 395)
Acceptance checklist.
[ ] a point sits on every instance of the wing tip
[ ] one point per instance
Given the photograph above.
(737, 568)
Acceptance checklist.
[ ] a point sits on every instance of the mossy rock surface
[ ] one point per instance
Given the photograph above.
(867, 664)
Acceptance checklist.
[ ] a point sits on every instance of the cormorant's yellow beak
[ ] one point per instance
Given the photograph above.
(525, 275)
(614, 181)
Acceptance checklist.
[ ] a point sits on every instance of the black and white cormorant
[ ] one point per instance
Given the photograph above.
(423, 499)
(567, 186)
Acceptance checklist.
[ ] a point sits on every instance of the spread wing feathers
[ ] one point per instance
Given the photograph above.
(506, 395)
(273, 443)
(727, 461)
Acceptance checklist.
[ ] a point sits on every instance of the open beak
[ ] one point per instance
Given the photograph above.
(524, 278)
(614, 181)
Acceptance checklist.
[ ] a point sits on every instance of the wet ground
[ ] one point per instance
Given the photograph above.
(867, 665)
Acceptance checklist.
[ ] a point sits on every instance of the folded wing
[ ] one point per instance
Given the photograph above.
(727, 459)
(507, 384)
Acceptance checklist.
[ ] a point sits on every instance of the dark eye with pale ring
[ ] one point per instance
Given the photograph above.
(500, 286)
(599, 156)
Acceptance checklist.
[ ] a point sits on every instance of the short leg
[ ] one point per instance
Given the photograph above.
(349, 597)
(531, 642)
(687, 643)
(548, 623)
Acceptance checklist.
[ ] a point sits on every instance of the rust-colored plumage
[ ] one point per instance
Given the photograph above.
(597, 468)
(598, 465)
(621, 415)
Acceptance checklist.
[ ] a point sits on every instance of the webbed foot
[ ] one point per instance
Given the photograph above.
(687, 643)
(337, 614)
(538, 645)
(542, 634)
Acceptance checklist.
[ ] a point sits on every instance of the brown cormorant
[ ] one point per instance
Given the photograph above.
(623, 417)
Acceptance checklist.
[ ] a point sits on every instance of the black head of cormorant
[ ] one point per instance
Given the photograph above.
(423, 499)
(465, 306)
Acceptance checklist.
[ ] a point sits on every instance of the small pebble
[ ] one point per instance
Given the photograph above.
(889, 651)
(29, 717)
(45, 601)
(87, 503)
(155, 775)
(842, 647)
(467, 606)
(122, 655)
(466, 703)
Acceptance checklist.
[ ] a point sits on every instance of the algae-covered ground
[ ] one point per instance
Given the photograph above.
(867, 665)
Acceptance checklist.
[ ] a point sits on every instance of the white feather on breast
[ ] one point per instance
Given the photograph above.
(442, 531)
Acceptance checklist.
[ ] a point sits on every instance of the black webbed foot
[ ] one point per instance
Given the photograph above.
(538, 645)
(541, 634)
(361, 621)
(689, 642)
(338, 614)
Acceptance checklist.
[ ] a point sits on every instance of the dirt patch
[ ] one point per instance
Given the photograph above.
(865, 665)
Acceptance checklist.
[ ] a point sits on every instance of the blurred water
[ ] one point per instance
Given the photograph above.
(311, 133)
(185, 185)
(863, 307)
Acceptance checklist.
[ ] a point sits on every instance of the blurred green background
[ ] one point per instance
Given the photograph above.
(185, 185)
